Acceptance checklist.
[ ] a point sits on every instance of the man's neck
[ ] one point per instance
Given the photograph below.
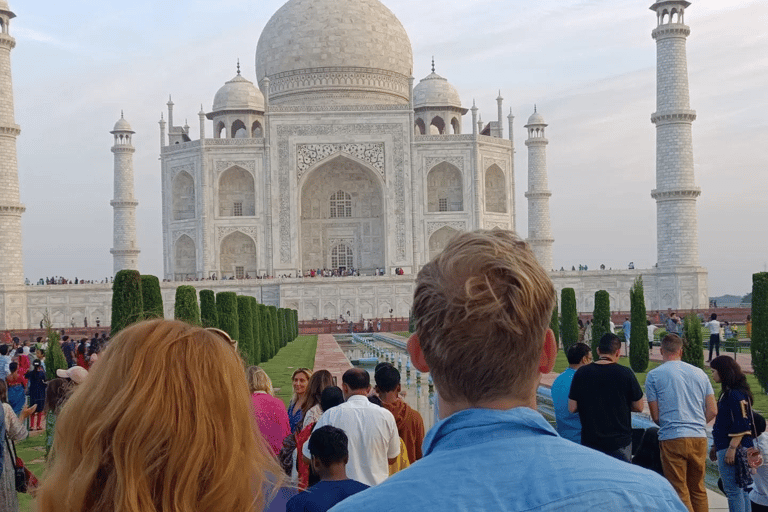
(607, 359)
(574, 366)
(334, 473)
(671, 357)
(389, 397)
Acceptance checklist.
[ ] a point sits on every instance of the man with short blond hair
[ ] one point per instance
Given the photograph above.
(681, 401)
(482, 310)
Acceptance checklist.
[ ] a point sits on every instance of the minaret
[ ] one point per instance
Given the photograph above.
(539, 229)
(675, 193)
(11, 260)
(125, 251)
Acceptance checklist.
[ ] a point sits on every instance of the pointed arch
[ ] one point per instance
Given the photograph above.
(440, 239)
(495, 190)
(221, 130)
(444, 189)
(184, 258)
(342, 257)
(238, 130)
(439, 124)
(455, 126)
(256, 130)
(183, 196)
(419, 128)
(237, 256)
(237, 193)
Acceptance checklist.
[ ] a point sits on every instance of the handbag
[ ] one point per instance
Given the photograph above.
(23, 477)
(754, 456)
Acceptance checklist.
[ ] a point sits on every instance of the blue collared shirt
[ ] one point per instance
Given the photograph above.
(513, 460)
(568, 424)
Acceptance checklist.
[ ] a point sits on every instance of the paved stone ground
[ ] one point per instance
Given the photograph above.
(744, 358)
(329, 356)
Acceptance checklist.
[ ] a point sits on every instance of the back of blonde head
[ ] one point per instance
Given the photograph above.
(163, 422)
(258, 380)
(482, 307)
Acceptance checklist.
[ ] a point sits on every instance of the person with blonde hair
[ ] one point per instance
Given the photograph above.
(269, 412)
(482, 310)
(162, 423)
(300, 381)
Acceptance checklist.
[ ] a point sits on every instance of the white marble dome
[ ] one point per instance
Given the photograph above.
(238, 94)
(121, 125)
(434, 91)
(536, 118)
(335, 51)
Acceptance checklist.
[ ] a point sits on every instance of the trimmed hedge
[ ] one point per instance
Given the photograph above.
(601, 319)
(275, 330)
(266, 334)
(245, 318)
(208, 314)
(693, 346)
(151, 296)
(281, 327)
(54, 356)
(295, 324)
(127, 301)
(554, 324)
(638, 332)
(570, 316)
(226, 306)
(759, 344)
(256, 329)
(186, 308)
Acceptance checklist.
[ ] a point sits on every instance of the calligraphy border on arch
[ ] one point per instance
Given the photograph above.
(223, 231)
(284, 132)
(434, 226)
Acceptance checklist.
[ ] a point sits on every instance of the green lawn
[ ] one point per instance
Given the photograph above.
(32, 452)
(404, 334)
(300, 353)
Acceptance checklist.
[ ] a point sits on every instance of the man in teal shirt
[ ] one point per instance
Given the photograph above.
(568, 423)
(482, 310)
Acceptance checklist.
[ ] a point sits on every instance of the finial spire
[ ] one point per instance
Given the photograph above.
(238, 66)
(433, 63)
(534, 108)
(121, 114)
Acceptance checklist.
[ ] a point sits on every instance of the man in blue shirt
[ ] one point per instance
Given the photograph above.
(681, 401)
(482, 310)
(568, 423)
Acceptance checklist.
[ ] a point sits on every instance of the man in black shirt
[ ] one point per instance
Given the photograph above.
(604, 393)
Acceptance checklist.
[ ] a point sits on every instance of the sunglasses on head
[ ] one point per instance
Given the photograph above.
(223, 335)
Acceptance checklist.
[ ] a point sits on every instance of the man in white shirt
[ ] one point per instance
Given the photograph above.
(374, 443)
(714, 335)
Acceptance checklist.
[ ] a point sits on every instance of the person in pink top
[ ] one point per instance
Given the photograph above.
(270, 412)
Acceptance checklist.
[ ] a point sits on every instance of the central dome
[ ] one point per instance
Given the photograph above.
(343, 52)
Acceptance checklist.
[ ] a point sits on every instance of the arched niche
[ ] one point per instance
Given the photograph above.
(238, 130)
(444, 189)
(437, 125)
(183, 196)
(238, 256)
(440, 239)
(419, 128)
(221, 131)
(256, 130)
(237, 194)
(456, 126)
(342, 200)
(495, 190)
(184, 258)
(342, 257)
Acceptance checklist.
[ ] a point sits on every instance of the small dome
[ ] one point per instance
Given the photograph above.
(4, 6)
(435, 91)
(121, 125)
(536, 118)
(238, 94)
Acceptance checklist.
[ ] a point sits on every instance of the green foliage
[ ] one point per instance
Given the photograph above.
(266, 334)
(226, 306)
(281, 327)
(186, 308)
(127, 301)
(274, 330)
(54, 356)
(151, 297)
(245, 318)
(208, 313)
(296, 323)
(638, 332)
(554, 324)
(759, 345)
(693, 348)
(412, 321)
(570, 317)
(256, 330)
(601, 319)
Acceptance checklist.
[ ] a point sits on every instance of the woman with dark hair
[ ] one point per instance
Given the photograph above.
(56, 392)
(17, 387)
(732, 429)
(300, 381)
(81, 351)
(320, 380)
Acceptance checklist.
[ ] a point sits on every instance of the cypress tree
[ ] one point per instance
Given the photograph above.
(226, 306)
(638, 332)
(274, 330)
(186, 308)
(554, 324)
(601, 319)
(266, 328)
(127, 302)
(54, 356)
(281, 326)
(151, 297)
(208, 314)
(759, 345)
(256, 325)
(296, 323)
(570, 332)
(245, 318)
(693, 346)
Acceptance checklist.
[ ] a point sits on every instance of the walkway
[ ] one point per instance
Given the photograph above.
(329, 356)
(743, 358)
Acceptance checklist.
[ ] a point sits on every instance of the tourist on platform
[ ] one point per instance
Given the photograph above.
(682, 402)
(373, 440)
(673, 324)
(5, 361)
(36, 379)
(17, 389)
(605, 393)
(300, 380)
(568, 423)
(328, 447)
(714, 335)
(23, 360)
(68, 348)
(14, 431)
(40, 356)
(311, 409)
(410, 425)
(81, 353)
(330, 397)
(56, 393)
(627, 328)
(759, 494)
(157, 426)
(651, 330)
(731, 432)
(271, 416)
(482, 309)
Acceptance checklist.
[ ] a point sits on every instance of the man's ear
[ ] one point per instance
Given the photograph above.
(548, 353)
(315, 465)
(417, 356)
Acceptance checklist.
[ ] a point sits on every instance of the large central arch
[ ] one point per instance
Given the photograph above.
(342, 202)
(238, 256)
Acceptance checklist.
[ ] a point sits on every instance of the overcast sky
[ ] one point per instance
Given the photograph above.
(589, 65)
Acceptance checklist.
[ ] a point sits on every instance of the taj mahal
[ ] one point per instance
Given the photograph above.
(335, 157)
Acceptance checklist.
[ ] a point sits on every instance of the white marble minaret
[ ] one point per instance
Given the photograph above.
(125, 251)
(11, 261)
(675, 194)
(539, 226)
